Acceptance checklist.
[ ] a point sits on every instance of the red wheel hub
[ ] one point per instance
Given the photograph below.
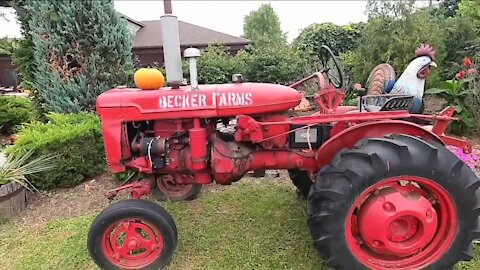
(401, 226)
(397, 224)
(132, 244)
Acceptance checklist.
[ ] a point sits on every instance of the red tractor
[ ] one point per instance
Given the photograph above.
(382, 191)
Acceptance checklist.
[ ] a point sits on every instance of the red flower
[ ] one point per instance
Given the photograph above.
(467, 62)
(461, 74)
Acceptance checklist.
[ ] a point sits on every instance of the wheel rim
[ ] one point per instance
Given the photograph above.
(402, 223)
(167, 186)
(132, 244)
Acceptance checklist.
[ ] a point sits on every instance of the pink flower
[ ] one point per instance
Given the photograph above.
(467, 62)
(472, 160)
(471, 71)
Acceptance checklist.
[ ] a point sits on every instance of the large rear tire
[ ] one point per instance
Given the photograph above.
(395, 203)
(302, 180)
(132, 234)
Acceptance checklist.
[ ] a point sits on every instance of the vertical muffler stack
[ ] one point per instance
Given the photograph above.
(171, 50)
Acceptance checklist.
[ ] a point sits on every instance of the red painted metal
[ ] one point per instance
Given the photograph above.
(198, 144)
(137, 189)
(462, 144)
(329, 99)
(209, 101)
(230, 161)
(389, 223)
(132, 243)
(348, 137)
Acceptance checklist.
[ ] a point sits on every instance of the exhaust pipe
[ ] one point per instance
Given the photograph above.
(171, 50)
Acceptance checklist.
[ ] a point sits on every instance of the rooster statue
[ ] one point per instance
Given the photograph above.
(411, 82)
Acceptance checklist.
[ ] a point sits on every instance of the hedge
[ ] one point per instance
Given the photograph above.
(14, 111)
(77, 141)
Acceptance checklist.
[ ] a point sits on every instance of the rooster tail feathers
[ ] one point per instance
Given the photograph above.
(381, 80)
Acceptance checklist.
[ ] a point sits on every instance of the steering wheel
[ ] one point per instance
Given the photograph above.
(326, 59)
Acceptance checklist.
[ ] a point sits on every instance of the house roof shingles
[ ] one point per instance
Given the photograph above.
(150, 36)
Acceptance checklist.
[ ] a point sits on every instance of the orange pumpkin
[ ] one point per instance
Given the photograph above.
(149, 79)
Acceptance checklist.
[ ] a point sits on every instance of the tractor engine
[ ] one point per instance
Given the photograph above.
(198, 151)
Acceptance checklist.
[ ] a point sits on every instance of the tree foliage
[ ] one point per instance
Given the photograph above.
(394, 40)
(274, 64)
(396, 9)
(340, 39)
(460, 41)
(80, 49)
(263, 26)
(215, 65)
(23, 55)
(447, 8)
(470, 9)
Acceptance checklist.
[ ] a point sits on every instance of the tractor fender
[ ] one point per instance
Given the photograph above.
(350, 136)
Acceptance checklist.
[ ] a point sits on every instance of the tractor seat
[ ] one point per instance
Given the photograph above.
(382, 103)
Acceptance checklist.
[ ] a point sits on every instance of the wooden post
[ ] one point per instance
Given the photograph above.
(167, 6)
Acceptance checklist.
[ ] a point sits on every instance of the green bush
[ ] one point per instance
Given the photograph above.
(340, 39)
(215, 65)
(75, 138)
(394, 41)
(280, 64)
(14, 111)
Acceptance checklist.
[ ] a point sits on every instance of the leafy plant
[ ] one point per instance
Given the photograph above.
(394, 41)
(215, 65)
(75, 138)
(340, 39)
(456, 93)
(263, 27)
(280, 64)
(14, 111)
(80, 49)
(8, 46)
(18, 166)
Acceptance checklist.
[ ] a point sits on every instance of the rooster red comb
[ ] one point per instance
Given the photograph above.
(425, 50)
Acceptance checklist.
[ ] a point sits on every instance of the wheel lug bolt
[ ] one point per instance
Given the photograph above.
(429, 214)
(376, 243)
(389, 207)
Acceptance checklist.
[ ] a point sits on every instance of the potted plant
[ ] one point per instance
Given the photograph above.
(13, 183)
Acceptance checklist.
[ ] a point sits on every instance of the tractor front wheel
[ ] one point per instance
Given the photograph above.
(167, 190)
(395, 203)
(132, 234)
(302, 180)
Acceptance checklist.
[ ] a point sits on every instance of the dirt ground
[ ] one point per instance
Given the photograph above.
(85, 198)
(66, 203)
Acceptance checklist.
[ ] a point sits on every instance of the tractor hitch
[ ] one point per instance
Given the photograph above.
(138, 189)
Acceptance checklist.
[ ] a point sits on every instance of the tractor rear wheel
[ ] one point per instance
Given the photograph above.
(132, 234)
(395, 203)
(167, 190)
(302, 180)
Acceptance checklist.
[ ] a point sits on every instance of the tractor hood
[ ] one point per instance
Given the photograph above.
(208, 101)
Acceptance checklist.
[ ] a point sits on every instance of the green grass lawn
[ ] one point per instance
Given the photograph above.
(258, 224)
